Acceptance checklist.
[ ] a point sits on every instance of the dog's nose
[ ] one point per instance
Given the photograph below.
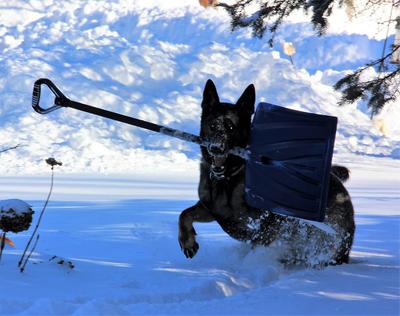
(216, 148)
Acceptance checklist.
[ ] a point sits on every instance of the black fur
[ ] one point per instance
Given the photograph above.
(222, 198)
(341, 172)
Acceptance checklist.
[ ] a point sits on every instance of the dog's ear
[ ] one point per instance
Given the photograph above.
(210, 95)
(247, 100)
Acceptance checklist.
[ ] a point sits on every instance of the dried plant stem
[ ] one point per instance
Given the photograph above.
(30, 254)
(3, 243)
(291, 60)
(10, 148)
(40, 219)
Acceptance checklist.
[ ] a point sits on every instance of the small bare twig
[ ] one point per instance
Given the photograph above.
(30, 254)
(10, 148)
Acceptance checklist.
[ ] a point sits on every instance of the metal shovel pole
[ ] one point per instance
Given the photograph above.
(62, 101)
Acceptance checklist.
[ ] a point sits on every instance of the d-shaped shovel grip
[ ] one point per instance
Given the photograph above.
(59, 99)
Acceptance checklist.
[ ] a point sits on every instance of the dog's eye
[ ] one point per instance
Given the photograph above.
(229, 126)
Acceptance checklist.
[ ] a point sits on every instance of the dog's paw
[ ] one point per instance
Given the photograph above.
(188, 244)
(190, 251)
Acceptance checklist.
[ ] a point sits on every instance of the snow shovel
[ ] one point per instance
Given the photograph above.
(288, 160)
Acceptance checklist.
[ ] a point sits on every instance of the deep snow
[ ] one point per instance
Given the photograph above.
(127, 259)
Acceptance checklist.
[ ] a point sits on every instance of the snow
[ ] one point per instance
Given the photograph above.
(151, 60)
(127, 259)
(119, 193)
(17, 206)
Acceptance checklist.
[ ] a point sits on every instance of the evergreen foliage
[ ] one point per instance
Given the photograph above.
(271, 13)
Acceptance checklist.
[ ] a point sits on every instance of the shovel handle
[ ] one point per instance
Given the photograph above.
(62, 101)
(58, 100)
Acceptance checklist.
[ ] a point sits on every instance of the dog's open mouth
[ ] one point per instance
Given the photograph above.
(218, 155)
(217, 168)
(218, 161)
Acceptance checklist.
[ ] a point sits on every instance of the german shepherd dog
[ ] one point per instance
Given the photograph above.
(222, 196)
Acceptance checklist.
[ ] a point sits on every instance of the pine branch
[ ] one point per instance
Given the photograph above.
(378, 91)
(270, 15)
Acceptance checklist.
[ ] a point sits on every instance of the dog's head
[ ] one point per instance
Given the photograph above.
(225, 125)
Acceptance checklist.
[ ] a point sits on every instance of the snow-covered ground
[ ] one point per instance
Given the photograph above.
(127, 258)
(120, 190)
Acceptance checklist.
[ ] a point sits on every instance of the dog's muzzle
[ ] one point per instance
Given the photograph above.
(218, 155)
(216, 149)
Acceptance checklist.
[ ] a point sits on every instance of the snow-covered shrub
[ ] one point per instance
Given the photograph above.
(15, 215)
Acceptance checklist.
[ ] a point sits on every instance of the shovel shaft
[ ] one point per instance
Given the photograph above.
(62, 101)
(134, 121)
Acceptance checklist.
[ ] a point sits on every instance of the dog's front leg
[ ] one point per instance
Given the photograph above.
(187, 239)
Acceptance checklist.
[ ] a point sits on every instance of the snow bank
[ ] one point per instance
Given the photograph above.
(151, 59)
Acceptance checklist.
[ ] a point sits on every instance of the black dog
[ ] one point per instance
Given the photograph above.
(221, 194)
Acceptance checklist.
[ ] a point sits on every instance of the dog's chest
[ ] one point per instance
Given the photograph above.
(221, 194)
(223, 197)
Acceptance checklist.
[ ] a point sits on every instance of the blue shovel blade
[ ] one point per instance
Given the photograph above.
(290, 161)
